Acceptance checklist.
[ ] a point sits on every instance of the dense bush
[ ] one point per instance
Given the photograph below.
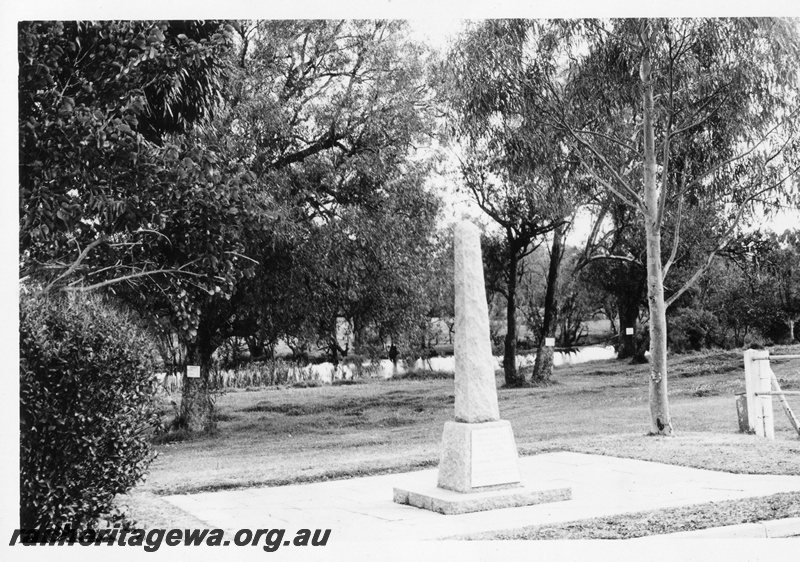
(86, 405)
(774, 327)
(692, 329)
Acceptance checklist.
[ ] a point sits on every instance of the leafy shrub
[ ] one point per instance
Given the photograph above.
(86, 405)
(756, 341)
(774, 326)
(692, 329)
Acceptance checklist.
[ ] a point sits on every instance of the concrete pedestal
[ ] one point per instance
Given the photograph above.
(478, 471)
(478, 456)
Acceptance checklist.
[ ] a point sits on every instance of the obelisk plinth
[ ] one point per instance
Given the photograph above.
(479, 464)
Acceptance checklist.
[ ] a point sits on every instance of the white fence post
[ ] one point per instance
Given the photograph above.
(758, 379)
(751, 384)
(765, 408)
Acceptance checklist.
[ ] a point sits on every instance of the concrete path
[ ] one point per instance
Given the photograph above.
(361, 509)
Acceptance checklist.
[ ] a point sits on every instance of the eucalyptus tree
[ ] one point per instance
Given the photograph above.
(517, 172)
(370, 267)
(763, 286)
(708, 123)
(669, 115)
(615, 263)
(786, 272)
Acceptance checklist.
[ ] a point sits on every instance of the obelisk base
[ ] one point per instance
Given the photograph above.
(478, 471)
(476, 456)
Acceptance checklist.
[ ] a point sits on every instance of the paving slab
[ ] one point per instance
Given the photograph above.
(362, 509)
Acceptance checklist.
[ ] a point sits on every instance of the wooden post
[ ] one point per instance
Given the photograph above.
(764, 409)
(741, 412)
(751, 384)
(758, 379)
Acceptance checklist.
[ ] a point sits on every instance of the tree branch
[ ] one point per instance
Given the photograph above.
(628, 259)
(630, 192)
(328, 141)
(662, 200)
(725, 239)
(699, 273)
(71, 269)
(677, 236)
(624, 144)
(107, 282)
(683, 128)
(590, 241)
(743, 154)
(611, 188)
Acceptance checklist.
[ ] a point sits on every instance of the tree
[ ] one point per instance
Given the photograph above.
(543, 364)
(515, 170)
(365, 267)
(759, 289)
(118, 188)
(325, 115)
(725, 119)
(440, 285)
(174, 217)
(784, 266)
(666, 115)
(96, 101)
(614, 263)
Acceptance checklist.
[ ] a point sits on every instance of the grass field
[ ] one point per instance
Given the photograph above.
(270, 437)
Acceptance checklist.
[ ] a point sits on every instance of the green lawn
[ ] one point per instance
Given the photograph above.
(289, 435)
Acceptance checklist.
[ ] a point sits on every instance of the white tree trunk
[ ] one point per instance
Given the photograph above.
(661, 423)
(659, 403)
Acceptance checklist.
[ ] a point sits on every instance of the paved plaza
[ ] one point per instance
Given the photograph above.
(361, 509)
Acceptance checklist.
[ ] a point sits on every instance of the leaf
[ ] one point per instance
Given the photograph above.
(140, 42)
(66, 107)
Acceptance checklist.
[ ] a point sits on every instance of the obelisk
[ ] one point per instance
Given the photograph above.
(478, 448)
(479, 464)
(476, 389)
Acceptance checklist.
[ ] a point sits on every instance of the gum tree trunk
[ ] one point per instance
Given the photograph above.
(543, 365)
(628, 307)
(628, 315)
(661, 424)
(510, 347)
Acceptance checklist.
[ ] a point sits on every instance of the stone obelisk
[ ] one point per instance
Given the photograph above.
(479, 465)
(476, 389)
